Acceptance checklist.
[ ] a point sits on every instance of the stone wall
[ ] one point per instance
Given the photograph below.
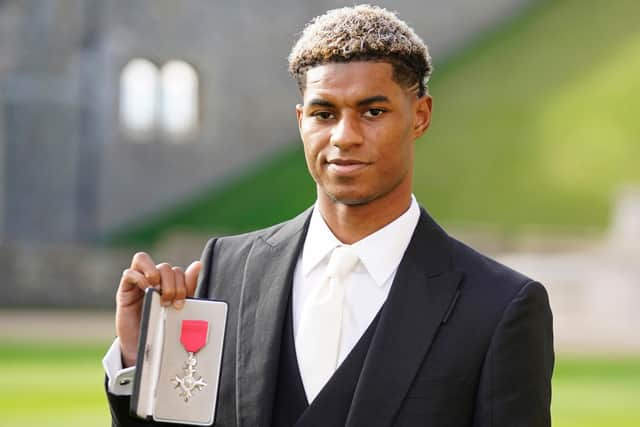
(594, 291)
(593, 287)
(69, 276)
(41, 276)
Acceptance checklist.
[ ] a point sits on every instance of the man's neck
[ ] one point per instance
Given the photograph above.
(351, 223)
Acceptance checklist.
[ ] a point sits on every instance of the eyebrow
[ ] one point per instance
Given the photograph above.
(319, 102)
(373, 100)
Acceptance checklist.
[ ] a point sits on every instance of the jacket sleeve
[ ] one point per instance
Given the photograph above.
(119, 408)
(515, 382)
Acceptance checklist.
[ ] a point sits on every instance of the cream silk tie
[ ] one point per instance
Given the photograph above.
(318, 341)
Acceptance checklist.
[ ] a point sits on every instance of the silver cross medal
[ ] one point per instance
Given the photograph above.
(193, 337)
(189, 382)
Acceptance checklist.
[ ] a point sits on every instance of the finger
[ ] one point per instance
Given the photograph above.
(191, 277)
(181, 290)
(167, 284)
(132, 278)
(143, 263)
(131, 288)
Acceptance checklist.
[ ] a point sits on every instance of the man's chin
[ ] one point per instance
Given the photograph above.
(350, 199)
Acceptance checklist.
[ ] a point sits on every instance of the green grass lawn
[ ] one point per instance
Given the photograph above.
(52, 385)
(536, 123)
(592, 392)
(62, 385)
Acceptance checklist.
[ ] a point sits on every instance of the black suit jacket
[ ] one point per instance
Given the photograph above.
(461, 341)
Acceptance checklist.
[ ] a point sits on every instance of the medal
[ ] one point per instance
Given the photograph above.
(193, 337)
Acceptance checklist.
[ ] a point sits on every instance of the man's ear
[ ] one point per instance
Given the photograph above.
(423, 109)
(299, 115)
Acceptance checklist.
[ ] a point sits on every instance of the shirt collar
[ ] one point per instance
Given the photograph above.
(319, 243)
(381, 264)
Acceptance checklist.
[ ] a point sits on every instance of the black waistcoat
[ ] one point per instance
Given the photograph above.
(331, 406)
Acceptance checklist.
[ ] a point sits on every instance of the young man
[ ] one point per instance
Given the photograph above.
(418, 330)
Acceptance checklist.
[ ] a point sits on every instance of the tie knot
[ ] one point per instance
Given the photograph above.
(342, 262)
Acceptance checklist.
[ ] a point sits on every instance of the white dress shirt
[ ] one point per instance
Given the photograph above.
(366, 288)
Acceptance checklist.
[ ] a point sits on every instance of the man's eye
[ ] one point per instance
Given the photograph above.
(323, 115)
(374, 112)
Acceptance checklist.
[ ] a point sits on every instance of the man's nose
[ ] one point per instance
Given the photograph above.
(346, 133)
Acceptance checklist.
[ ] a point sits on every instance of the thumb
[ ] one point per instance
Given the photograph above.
(191, 277)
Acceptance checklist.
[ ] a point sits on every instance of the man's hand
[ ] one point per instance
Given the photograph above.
(173, 283)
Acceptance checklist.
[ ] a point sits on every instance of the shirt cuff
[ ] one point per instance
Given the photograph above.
(120, 381)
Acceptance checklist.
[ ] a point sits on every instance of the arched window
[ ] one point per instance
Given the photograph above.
(179, 98)
(139, 97)
(156, 102)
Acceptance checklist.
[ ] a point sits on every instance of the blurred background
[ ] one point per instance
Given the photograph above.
(155, 124)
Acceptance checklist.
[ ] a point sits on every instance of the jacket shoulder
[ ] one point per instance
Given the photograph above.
(271, 235)
(479, 266)
(489, 284)
(224, 258)
(489, 288)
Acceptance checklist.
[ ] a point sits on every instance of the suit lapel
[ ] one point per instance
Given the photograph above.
(422, 291)
(265, 291)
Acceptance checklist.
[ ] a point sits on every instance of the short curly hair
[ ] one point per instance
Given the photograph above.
(362, 33)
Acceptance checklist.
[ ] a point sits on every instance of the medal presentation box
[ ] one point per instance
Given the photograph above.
(179, 360)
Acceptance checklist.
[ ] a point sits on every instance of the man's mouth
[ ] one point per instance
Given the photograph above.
(342, 166)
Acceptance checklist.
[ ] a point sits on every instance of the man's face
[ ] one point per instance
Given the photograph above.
(358, 127)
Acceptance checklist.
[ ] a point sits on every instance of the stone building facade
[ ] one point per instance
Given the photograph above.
(71, 172)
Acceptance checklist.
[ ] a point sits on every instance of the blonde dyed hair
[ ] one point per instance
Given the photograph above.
(362, 33)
